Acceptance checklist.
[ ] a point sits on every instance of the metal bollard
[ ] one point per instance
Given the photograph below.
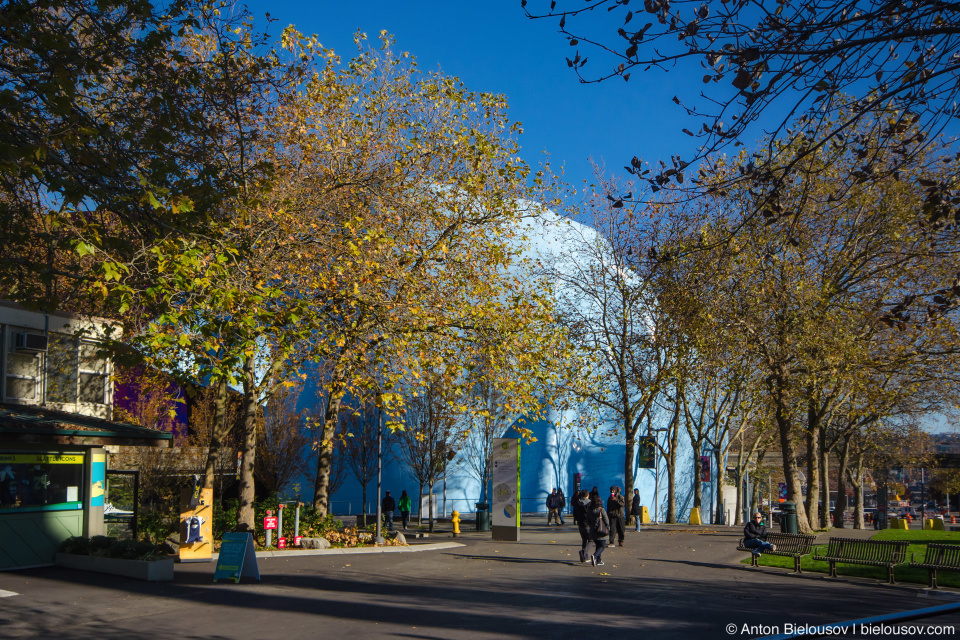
(296, 523)
(269, 531)
(280, 521)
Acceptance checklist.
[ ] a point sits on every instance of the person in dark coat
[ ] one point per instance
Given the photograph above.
(615, 505)
(595, 516)
(561, 504)
(635, 509)
(388, 505)
(755, 536)
(580, 503)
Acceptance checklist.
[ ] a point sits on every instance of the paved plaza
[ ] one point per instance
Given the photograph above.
(667, 582)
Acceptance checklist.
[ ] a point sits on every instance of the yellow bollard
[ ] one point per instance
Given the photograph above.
(695, 516)
(456, 524)
(645, 516)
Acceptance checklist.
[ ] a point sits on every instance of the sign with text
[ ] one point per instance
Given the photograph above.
(270, 522)
(506, 488)
(646, 452)
(705, 468)
(237, 558)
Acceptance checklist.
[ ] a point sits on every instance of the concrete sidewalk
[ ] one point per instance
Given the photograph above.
(667, 582)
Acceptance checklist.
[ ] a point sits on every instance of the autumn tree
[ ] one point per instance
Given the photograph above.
(431, 433)
(820, 303)
(282, 442)
(812, 73)
(410, 192)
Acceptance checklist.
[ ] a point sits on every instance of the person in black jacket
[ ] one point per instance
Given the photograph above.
(561, 504)
(580, 503)
(755, 536)
(387, 506)
(635, 509)
(597, 520)
(615, 505)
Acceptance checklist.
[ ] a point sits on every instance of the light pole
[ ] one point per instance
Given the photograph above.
(379, 537)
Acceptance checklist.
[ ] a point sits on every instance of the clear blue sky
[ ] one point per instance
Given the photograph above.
(493, 47)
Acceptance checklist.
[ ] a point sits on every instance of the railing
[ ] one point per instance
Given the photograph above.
(355, 507)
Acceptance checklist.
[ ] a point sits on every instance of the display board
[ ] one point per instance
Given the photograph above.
(237, 558)
(196, 525)
(506, 488)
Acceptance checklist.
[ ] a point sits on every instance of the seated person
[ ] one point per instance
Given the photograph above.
(755, 536)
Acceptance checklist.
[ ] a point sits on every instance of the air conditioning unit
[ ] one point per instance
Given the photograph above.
(29, 342)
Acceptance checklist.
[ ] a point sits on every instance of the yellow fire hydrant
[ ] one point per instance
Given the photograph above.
(456, 524)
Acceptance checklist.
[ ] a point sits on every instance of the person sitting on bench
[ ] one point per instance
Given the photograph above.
(755, 536)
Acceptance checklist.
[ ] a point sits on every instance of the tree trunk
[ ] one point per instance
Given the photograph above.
(218, 433)
(825, 474)
(420, 506)
(245, 514)
(843, 452)
(628, 463)
(788, 451)
(719, 517)
(697, 476)
(321, 487)
(363, 505)
(738, 509)
(812, 501)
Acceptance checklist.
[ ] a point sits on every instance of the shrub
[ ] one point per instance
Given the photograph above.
(110, 548)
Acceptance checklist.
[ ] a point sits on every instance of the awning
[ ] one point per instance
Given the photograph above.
(27, 424)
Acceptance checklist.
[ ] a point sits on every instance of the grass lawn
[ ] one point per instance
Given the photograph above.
(903, 572)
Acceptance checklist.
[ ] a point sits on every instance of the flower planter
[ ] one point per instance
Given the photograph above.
(151, 570)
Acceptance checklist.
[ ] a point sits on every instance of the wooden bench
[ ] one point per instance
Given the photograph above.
(939, 555)
(877, 553)
(791, 545)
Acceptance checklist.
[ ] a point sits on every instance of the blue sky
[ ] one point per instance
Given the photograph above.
(493, 47)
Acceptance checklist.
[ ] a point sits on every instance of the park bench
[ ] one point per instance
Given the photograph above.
(938, 555)
(791, 545)
(877, 553)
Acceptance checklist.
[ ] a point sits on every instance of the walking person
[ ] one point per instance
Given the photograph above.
(599, 524)
(387, 506)
(615, 505)
(580, 503)
(635, 509)
(552, 512)
(404, 509)
(561, 504)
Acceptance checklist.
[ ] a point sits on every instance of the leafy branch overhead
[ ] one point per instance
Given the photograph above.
(775, 65)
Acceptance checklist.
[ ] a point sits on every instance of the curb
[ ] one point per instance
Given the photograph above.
(297, 553)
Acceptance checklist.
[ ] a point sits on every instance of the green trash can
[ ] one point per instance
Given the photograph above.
(483, 516)
(788, 517)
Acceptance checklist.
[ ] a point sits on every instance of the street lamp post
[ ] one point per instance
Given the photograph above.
(379, 537)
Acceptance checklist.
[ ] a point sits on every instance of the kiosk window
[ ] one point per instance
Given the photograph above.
(41, 481)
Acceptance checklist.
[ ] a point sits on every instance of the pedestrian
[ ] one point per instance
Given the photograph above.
(615, 504)
(404, 509)
(755, 536)
(599, 524)
(561, 504)
(594, 492)
(580, 503)
(387, 506)
(552, 512)
(635, 509)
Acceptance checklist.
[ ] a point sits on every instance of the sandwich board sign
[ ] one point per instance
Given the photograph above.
(238, 558)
